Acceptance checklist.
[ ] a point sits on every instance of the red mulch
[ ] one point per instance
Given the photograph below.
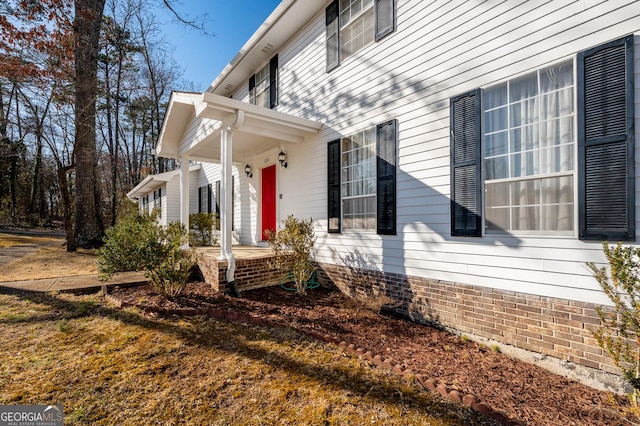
(519, 390)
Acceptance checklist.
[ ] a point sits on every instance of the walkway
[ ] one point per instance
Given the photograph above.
(75, 283)
(70, 283)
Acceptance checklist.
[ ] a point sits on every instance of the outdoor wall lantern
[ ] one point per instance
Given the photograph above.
(247, 170)
(282, 158)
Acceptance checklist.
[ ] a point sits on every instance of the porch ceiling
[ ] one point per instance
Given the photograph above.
(152, 182)
(258, 129)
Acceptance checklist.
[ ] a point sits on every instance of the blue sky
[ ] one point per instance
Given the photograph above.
(232, 22)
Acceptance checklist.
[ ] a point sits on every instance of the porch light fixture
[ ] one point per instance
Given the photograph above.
(282, 158)
(247, 170)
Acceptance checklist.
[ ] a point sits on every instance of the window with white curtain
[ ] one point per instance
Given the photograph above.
(356, 25)
(529, 152)
(261, 91)
(359, 181)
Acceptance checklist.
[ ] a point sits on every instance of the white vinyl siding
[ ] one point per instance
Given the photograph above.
(439, 50)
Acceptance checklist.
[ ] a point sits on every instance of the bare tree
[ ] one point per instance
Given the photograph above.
(88, 207)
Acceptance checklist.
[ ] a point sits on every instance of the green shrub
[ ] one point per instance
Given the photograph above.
(170, 271)
(202, 229)
(292, 246)
(130, 244)
(619, 335)
(138, 243)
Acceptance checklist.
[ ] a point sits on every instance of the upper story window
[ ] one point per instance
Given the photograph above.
(356, 25)
(263, 85)
(353, 24)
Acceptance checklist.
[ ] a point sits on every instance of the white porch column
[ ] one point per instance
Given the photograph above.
(226, 197)
(184, 191)
(226, 162)
(226, 203)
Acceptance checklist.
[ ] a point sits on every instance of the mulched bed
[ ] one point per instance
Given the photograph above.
(506, 389)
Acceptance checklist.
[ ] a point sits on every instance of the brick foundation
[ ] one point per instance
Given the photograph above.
(250, 273)
(553, 327)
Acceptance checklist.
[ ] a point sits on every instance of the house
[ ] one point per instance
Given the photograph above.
(467, 158)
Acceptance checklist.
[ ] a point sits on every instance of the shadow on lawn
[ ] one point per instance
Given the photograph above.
(342, 377)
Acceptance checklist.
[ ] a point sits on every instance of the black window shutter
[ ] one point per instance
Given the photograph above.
(218, 198)
(333, 173)
(252, 89)
(606, 190)
(386, 137)
(273, 82)
(209, 198)
(385, 17)
(333, 35)
(466, 197)
(200, 200)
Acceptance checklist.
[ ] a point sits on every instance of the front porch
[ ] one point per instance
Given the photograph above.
(253, 269)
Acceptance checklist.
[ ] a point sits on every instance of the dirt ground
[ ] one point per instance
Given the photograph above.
(517, 389)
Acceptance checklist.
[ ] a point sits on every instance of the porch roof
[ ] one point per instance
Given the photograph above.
(194, 122)
(153, 182)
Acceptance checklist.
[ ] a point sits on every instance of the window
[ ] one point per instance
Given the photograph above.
(362, 180)
(529, 139)
(233, 201)
(145, 203)
(263, 85)
(359, 181)
(353, 24)
(356, 26)
(204, 199)
(157, 201)
(528, 159)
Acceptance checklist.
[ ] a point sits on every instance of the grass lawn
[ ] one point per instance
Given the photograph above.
(10, 240)
(49, 260)
(107, 366)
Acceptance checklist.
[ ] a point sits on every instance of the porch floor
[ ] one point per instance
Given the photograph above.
(239, 252)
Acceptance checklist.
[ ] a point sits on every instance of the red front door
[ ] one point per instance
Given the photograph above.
(268, 200)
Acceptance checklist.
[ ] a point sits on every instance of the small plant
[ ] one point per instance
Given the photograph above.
(496, 348)
(292, 246)
(619, 335)
(362, 284)
(465, 338)
(138, 243)
(203, 229)
(64, 327)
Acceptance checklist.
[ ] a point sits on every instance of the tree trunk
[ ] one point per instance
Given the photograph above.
(36, 177)
(88, 18)
(66, 206)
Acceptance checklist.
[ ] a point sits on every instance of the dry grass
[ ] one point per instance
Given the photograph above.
(117, 367)
(50, 260)
(10, 240)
